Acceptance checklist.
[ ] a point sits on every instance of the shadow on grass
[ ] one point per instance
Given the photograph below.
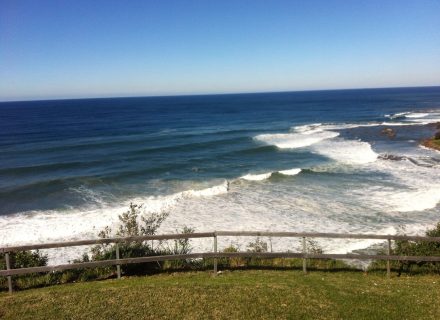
(95, 274)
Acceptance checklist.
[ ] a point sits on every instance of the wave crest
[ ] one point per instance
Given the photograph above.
(208, 192)
(296, 140)
(257, 177)
(290, 172)
(74, 224)
(347, 151)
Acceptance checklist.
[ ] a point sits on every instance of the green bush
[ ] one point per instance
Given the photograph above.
(133, 223)
(225, 263)
(412, 248)
(24, 259)
(257, 246)
(419, 248)
(179, 246)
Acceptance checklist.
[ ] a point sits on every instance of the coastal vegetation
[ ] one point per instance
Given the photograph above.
(414, 248)
(434, 141)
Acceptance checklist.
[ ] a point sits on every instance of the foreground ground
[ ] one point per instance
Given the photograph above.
(255, 294)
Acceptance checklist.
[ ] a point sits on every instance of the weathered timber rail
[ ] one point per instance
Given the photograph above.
(215, 254)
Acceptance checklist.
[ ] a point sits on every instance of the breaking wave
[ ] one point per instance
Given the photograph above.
(267, 175)
(416, 117)
(73, 224)
(347, 151)
(257, 177)
(324, 142)
(291, 172)
(295, 140)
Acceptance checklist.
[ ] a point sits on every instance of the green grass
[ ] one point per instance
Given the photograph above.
(249, 294)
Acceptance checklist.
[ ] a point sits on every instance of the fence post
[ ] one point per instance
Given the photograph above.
(304, 255)
(215, 251)
(8, 267)
(388, 261)
(118, 266)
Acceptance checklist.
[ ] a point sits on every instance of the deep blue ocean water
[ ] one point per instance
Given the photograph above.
(68, 167)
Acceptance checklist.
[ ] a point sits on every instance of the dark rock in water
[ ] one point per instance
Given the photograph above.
(435, 125)
(389, 132)
(394, 157)
(437, 135)
(387, 156)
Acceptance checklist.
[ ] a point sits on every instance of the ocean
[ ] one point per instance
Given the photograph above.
(292, 161)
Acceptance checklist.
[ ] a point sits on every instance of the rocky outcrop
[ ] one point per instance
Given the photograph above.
(387, 156)
(391, 133)
(433, 143)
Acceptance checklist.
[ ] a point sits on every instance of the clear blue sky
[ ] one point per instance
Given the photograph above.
(74, 48)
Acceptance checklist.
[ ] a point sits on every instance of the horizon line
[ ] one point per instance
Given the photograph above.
(217, 94)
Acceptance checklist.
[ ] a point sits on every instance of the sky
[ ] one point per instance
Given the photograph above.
(73, 49)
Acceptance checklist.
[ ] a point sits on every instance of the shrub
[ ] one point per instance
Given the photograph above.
(231, 262)
(133, 223)
(179, 246)
(24, 259)
(420, 248)
(257, 246)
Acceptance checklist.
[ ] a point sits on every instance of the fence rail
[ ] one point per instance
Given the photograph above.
(215, 254)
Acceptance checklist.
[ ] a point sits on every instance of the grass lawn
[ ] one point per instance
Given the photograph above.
(249, 294)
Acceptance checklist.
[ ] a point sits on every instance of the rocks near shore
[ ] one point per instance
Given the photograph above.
(391, 133)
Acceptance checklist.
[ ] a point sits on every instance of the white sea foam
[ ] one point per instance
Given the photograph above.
(51, 225)
(417, 200)
(248, 206)
(320, 140)
(313, 128)
(257, 177)
(395, 202)
(410, 187)
(267, 175)
(346, 151)
(416, 115)
(296, 140)
(308, 128)
(397, 115)
(418, 118)
(388, 124)
(212, 191)
(424, 121)
(343, 126)
(290, 172)
(407, 119)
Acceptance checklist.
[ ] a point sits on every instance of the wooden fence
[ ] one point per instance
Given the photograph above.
(215, 254)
